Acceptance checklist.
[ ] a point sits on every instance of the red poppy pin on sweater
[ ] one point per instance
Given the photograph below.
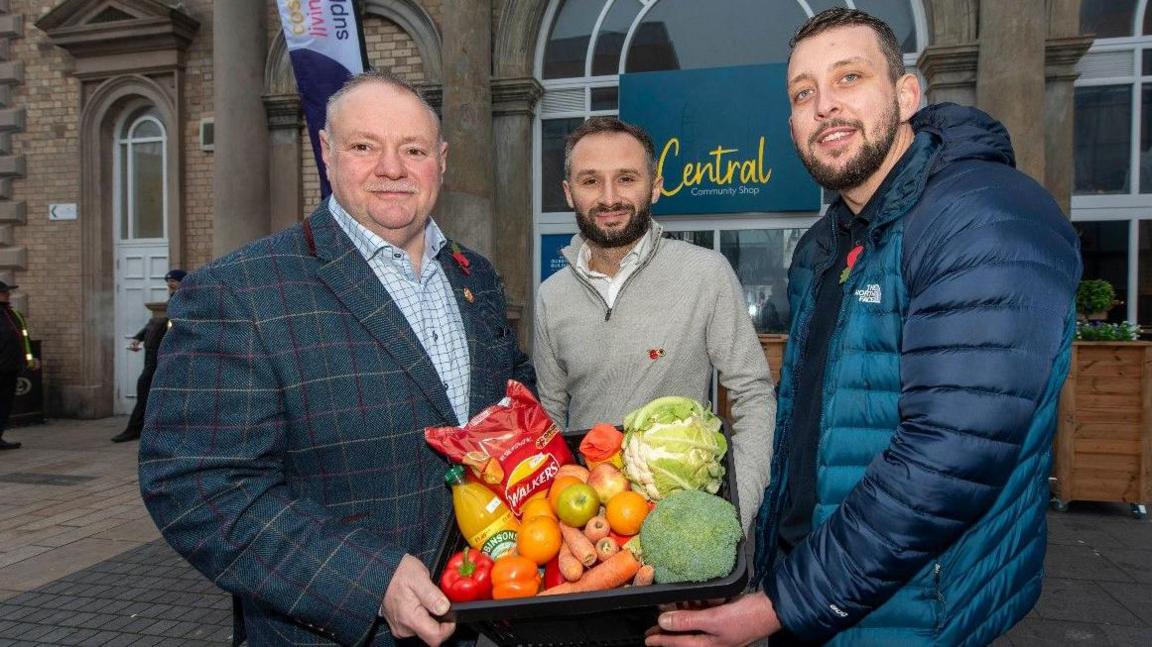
(852, 257)
(461, 260)
(655, 353)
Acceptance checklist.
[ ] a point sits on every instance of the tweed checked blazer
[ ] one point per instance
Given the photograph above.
(283, 453)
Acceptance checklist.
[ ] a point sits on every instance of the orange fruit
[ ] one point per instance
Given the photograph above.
(558, 485)
(539, 539)
(537, 507)
(626, 512)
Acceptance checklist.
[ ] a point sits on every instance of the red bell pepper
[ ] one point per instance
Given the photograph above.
(467, 577)
(552, 575)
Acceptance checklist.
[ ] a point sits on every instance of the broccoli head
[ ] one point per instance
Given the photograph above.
(691, 536)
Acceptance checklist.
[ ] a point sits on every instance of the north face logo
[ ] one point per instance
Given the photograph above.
(870, 294)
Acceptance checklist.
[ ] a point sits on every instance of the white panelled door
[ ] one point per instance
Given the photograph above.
(140, 270)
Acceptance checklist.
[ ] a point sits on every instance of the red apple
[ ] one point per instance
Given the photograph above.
(607, 481)
(572, 469)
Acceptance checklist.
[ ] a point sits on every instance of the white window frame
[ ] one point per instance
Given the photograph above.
(123, 176)
(1133, 206)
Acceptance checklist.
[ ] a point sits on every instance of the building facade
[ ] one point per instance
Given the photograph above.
(139, 135)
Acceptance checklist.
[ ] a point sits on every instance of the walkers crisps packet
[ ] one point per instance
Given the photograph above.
(513, 447)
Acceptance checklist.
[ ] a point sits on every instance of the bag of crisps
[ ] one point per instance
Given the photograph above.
(513, 447)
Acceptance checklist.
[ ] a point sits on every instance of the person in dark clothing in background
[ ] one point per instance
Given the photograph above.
(149, 337)
(15, 355)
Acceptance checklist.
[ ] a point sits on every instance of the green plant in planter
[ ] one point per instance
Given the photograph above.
(1125, 331)
(1094, 295)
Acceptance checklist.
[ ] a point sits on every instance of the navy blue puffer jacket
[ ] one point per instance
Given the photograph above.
(939, 406)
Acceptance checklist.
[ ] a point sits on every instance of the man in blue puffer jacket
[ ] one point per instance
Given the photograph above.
(933, 315)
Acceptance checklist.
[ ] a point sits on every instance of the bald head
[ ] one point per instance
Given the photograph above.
(375, 77)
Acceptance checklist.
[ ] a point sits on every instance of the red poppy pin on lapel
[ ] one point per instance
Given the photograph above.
(655, 353)
(852, 257)
(468, 296)
(461, 260)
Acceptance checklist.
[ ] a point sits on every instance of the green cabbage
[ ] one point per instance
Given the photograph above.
(673, 444)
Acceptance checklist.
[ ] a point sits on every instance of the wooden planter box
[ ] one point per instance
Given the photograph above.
(773, 346)
(1104, 435)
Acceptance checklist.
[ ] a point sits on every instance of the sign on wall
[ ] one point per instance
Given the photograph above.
(722, 139)
(551, 260)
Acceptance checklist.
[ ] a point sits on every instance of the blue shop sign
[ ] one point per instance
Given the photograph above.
(722, 139)
(551, 260)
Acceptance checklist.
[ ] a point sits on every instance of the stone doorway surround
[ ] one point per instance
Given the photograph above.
(127, 53)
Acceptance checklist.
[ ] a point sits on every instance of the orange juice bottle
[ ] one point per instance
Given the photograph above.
(486, 523)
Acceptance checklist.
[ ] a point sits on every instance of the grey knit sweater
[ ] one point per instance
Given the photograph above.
(680, 315)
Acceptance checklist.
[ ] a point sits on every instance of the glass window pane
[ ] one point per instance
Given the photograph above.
(1107, 18)
(1103, 138)
(1104, 248)
(1145, 138)
(568, 41)
(688, 34)
(605, 98)
(1147, 22)
(1146, 65)
(703, 238)
(760, 258)
(125, 229)
(610, 42)
(553, 133)
(147, 128)
(898, 15)
(148, 189)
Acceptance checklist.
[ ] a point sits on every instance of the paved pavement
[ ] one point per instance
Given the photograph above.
(82, 564)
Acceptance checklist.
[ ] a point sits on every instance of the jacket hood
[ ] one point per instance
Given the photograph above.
(965, 133)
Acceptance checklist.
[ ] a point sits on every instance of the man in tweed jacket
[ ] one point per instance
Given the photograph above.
(283, 453)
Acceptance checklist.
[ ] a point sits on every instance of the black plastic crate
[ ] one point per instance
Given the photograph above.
(609, 618)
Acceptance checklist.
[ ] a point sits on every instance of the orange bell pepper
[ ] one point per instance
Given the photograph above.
(514, 576)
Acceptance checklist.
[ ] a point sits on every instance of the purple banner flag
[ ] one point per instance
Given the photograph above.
(326, 47)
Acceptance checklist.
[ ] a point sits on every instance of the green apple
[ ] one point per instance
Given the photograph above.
(577, 504)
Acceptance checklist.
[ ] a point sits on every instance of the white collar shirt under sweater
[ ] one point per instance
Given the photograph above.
(426, 300)
(609, 286)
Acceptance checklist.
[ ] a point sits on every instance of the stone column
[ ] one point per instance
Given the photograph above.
(513, 105)
(1010, 78)
(285, 197)
(1062, 55)
(240, 175)
(465, 207)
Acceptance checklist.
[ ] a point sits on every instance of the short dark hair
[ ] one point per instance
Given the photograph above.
(598, 125)
(842, 17)
(384, 78)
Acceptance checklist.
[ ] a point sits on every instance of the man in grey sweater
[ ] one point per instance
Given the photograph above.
(636, 316)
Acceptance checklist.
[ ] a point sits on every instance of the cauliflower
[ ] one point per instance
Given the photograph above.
(691, 536)
(673, 443)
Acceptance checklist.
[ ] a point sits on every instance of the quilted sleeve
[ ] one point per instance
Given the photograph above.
(991, 274)
(212, 476)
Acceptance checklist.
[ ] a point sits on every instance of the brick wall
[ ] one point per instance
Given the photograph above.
(51, 148)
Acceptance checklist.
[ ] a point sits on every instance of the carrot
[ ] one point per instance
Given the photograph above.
(597, 528)
(618, 570)
(581, 548)
(570, 567)
(644, 576)
(606, 548)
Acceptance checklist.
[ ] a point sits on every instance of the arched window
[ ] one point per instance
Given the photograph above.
(1112, 182)
(142, 177)
(588, 44)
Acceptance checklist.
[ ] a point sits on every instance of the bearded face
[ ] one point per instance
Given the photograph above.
(839, 174)
(615, 225)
